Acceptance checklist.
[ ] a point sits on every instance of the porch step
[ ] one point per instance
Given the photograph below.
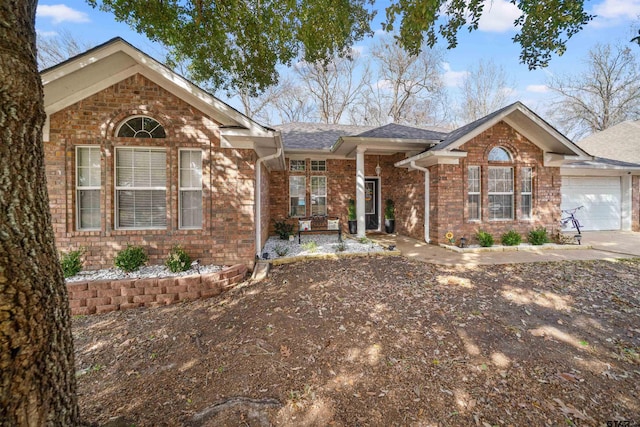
(260, 270)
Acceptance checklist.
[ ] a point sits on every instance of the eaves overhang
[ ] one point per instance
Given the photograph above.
(432, 157)
(347, 146)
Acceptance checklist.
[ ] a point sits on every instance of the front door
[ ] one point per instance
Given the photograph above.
(371, 209)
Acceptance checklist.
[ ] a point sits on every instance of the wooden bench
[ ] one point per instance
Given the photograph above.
(319, 224)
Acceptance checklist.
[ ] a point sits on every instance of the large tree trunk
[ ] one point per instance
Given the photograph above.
(37, 380)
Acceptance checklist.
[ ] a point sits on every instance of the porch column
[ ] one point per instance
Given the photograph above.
(360, 190)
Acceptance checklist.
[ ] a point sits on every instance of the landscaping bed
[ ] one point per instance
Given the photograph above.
(376, 341)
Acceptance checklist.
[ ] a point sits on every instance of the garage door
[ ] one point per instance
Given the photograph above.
(600, 197)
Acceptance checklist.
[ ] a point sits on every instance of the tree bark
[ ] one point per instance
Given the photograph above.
(37, 380)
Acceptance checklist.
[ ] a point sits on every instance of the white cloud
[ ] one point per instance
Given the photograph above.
(498, 16)
(612, 9)
(46, 33)
(452, 78)
(61, 13)
(537, 88)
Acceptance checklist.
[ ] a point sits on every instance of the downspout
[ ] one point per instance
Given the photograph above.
(259, 191)
(426, 198)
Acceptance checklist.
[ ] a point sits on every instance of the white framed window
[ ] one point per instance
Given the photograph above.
(297, 196)
(526, 194)
(500, 184)
(499, 154)
(297, 165)
(88, 182)
(190, 189)
(141, 127)
(473, 193)
(318, 165)
(318, 195)
(141, 188)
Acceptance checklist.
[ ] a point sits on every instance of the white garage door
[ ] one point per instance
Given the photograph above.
(600, 197)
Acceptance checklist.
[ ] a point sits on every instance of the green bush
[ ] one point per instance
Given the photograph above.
(131, 258)
(310, 246)
(178, 260)
(351, 210)
(511, 238)
(281, 250)
(283, 229)
(538, 236)
(485, 239)
(389, 210)
(71, 262)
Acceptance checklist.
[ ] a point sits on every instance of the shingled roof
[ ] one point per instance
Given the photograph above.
(396, 131)
(315, 136)
(620, 142)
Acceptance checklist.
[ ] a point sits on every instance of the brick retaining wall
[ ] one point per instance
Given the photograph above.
(103, 296)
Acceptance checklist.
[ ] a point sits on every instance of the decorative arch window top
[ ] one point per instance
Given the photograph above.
(141, 127)
(499, 154)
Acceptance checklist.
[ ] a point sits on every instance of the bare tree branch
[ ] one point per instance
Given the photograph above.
(607, 93)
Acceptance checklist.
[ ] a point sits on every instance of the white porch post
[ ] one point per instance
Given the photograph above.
(360, 190)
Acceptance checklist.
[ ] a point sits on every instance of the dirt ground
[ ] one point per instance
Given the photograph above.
(377, 342)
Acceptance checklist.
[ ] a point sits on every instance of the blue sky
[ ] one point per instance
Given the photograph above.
(617, 21)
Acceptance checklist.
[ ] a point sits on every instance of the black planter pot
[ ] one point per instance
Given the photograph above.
(353, 226)
(389, 226)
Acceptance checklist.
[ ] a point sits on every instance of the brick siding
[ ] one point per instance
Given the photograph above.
(228, 233)
(448, 189)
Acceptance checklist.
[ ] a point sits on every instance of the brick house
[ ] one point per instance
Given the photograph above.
(136, 154)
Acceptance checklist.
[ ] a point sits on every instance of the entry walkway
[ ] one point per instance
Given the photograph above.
(604, 245)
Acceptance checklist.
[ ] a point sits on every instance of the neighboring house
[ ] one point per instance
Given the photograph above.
(136, 154)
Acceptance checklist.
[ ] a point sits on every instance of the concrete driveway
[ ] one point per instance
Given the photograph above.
(616, 242)
(595, 245)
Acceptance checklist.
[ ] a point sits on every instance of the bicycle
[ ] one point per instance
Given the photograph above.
(570, 218)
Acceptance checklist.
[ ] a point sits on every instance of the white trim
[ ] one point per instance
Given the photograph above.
(304, 177)
(360, 191)
(155, 71)
(501, 193)
(427, 196)
(475, 193)
(87, 188)
(194, 189)
(116, 188)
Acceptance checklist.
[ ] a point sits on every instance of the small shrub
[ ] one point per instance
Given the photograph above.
(351, 210)
(485, 239)
(71, 262)
(310, 246)
(281, 250)
(365, 240)
(538, 236)
(389, 210)
(511, 238)
(178, 260)
(131, 258)
(283, 229)
(341, 247)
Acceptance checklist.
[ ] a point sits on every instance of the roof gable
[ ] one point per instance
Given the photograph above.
(98, 68)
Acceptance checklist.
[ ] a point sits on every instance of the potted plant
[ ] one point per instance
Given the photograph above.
(351, 213)
(283, 229)
(389, 217)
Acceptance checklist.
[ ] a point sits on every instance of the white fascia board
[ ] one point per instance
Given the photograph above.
(91, 90)
(557, 159)
(598, 170)
(159, 74)
(430, 158)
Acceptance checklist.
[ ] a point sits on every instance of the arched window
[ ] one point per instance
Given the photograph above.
(499, 154)
(141, 127)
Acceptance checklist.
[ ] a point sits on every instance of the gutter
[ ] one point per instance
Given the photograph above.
(427, 176)
(258, 222)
